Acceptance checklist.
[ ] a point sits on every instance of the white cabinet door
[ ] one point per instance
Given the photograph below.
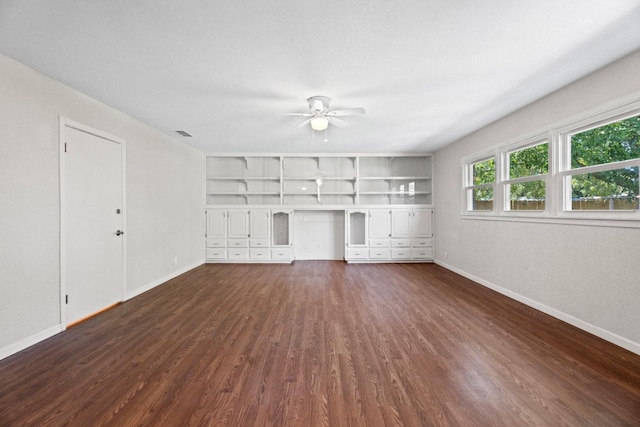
(238, 223)
(401, 223)
(216, 223)
(379, 223)
(356, 228)
(259, 220)
(281, 226)
(422, 223)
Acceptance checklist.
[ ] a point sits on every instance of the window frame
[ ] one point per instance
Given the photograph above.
(469, 186)
(558, 194)
(506, 181)
(565, 171)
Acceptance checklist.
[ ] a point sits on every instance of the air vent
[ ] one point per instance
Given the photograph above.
(184, 133)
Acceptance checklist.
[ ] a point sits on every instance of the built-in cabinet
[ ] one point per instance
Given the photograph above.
(392, 235)
(387, 200)
(246, 235)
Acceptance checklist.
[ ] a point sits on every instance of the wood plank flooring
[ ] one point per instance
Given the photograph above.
(321, 343)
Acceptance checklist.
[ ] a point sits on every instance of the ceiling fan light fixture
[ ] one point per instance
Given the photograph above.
(319, 123)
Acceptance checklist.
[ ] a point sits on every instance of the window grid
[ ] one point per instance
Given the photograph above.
(558, 191)
(471, 188)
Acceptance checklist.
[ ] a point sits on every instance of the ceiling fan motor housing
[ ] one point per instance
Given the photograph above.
(319, 103)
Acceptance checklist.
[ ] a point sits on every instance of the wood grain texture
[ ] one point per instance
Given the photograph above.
(321, 343)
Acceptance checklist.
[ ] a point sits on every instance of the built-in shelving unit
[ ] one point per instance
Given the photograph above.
(251, 201)
(395, 180)
(243, 180)
(322, 180)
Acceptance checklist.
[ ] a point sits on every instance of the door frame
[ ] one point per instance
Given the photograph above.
(64, 124)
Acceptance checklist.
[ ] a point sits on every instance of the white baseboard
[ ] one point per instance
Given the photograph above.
(578, 323)
(161, 280)
(29, 341)
(47, 333)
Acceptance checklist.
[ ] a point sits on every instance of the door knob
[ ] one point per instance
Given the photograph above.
(118, 232)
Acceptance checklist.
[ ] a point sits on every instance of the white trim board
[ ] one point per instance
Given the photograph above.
(29, 341)
(161, 280)
(578, 323)
(48, 333)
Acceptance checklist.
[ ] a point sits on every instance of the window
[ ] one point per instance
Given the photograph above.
(481, 178)
(587, 169)
(525, 183)
(601, 166)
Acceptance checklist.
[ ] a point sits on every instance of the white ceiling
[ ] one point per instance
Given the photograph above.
(427, 71)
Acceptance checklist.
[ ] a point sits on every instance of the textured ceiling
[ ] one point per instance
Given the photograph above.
(427, 71)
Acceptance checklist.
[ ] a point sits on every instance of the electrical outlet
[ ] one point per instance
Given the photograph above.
(446, 254)
(175, 260)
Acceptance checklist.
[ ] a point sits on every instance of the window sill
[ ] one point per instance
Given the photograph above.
(588, 219)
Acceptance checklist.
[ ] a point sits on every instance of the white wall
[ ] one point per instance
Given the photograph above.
(164, 200)
(318, 234)
(586, 275)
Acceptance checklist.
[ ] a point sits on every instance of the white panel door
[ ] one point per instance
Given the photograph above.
(238, 223)
(401, 223)
(379, 224)
(423, 223)
(216, 224)
(259, 223)
(92, 215)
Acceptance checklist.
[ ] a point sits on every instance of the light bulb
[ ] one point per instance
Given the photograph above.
(319, 123)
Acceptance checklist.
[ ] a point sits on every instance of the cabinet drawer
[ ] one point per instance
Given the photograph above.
(216, 253)
(379, 243)
(237, 243)
(281, 253)
(238, 253)
(400, 243)
(422, 253)
(379, 253)
(258, 243)
(424, 242)
(216, 243)
(259, 253)
(401, 253)
(357, 253)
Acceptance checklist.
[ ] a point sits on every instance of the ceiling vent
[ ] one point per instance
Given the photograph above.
(184, 133)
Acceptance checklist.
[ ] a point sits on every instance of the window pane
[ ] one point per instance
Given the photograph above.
(527, 196)
(529, 161)
(608, 190)
(614, 142)
(484, 172)
(481, 199)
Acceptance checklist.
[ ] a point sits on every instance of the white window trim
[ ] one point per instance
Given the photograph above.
(564, 170)
(468, 186)
(559, 169)
(505, 180)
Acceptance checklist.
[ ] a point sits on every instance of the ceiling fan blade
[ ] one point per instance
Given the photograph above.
(304, 123)
(298, 114)
(346, 112)
(338, 122)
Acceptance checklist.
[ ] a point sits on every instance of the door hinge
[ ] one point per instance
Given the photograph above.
(65, 147)
(66, 299)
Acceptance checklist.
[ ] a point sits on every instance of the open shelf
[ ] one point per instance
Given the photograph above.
(318, 179)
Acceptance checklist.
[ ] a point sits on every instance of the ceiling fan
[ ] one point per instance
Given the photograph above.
(320, 116)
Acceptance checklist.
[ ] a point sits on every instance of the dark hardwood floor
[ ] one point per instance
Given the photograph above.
(321, 343)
